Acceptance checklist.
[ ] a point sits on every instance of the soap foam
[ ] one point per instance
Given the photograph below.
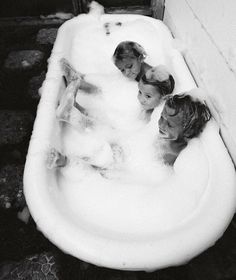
(138, 193)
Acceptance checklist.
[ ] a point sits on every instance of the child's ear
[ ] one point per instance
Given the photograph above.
(141, 58)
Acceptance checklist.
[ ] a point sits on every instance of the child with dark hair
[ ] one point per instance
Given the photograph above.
(182, 119)
(129, 59)
(153, 86)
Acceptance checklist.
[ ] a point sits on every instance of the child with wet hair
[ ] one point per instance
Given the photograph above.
(129, 59)
(153, 86)
(182, 119)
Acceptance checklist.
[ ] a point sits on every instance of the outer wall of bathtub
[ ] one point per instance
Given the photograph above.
(175, 246)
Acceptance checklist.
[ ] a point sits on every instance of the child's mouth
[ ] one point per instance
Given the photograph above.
(163, 134)
(132, 75)
(145, 106)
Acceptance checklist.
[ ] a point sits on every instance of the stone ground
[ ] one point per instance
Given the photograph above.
(24, 252)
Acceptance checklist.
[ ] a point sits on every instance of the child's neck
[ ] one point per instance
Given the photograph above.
(177, 145)
(172, 148)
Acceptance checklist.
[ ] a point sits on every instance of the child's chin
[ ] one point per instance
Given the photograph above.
(131, 76)
(146, 107)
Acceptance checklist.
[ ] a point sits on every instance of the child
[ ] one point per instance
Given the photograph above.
(182, 118)
(153, 86)
(129, 59)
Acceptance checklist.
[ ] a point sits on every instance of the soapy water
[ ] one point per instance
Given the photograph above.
(133, 182)
(118, 122)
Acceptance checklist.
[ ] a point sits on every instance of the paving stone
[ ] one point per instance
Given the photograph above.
(122, 275)
(15, 126)
(46, 36)
(34, 85)
(44, 266)
(208, 265)
(23, 60)
(11, 187)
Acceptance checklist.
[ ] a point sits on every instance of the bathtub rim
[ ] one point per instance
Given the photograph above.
(40, 141)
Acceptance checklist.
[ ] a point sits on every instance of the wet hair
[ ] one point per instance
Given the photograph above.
(165, 87)
(195, 113)
(128, 49)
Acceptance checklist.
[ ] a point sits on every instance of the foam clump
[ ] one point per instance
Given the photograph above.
(95, 8)
(120, 145)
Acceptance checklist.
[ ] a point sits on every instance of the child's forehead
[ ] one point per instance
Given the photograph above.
(172, 114)
(125, 60)
(169, 110)
(147, 87)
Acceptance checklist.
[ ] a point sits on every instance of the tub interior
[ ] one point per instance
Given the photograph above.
(142, 215)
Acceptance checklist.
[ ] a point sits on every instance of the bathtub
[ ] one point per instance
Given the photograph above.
(126, 227)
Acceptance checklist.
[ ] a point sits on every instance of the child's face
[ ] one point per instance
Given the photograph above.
(130, 67)
(171, 126)
(148, 96)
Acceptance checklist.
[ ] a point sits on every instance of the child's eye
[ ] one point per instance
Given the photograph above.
(148, 96)
(139, 92)
(129, 66)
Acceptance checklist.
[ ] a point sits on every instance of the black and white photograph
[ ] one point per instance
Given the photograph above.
(117, 140)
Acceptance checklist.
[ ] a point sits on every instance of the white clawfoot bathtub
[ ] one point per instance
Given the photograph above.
(126, 226)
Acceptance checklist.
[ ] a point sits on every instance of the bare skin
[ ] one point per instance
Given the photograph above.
(132, 67)
(129, 59)
(150, 93)
(148, 96)
(171, 128)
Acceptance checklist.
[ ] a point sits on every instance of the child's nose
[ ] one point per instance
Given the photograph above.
(142, 100)
(161, 122)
